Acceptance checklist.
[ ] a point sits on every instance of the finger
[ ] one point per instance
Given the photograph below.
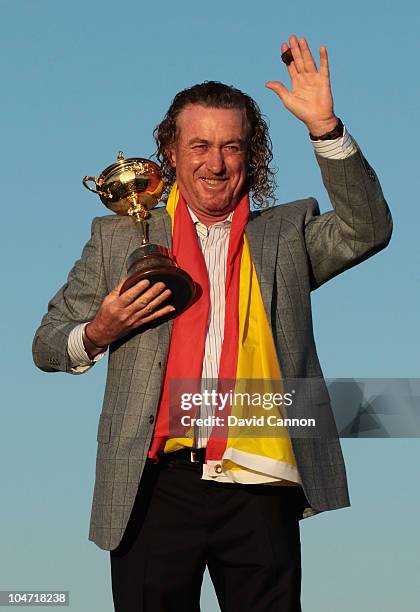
(308, 60)
(293, 73)
(133, 292)
(291, 68)
(278, 88)
(116, 290)
(297, 54)
(286, 54)
(155, 302)
(155, 315)
(324, 68)
(145, 302)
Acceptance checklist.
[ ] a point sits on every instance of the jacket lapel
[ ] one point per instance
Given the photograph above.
(262, 232)
(160, 232)
(160, 228)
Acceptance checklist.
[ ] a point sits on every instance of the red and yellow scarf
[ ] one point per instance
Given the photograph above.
(248, 353)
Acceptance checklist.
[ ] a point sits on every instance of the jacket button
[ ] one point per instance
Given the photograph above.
(151, 419)
(160, 364)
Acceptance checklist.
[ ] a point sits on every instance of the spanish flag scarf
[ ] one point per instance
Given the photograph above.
(247, 454)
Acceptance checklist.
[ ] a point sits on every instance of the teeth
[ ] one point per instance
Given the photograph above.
(212, 181)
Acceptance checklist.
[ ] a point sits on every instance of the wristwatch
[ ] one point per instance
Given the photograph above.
(337, 132)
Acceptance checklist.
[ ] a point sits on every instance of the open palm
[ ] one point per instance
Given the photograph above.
(310, 98)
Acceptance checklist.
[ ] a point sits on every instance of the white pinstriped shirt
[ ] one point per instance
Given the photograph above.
(213, 242)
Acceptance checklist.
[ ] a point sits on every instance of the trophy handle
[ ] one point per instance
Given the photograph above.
(103, 194)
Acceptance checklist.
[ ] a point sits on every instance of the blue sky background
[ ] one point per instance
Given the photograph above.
(82, 80)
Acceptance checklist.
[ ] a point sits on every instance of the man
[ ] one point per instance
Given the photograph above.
(166, 513)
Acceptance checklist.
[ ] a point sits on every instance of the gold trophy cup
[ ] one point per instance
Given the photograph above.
(133, 187)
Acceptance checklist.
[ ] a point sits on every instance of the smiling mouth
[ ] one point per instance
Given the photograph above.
(213, 181)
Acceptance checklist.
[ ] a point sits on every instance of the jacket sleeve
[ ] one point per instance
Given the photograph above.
(76, 302)
(360, 224)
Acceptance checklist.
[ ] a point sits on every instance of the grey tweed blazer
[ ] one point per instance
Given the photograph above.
(295, 250)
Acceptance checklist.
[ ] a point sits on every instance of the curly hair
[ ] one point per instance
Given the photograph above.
(213, 94)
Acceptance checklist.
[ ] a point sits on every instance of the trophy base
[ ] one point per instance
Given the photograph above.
(180, 283)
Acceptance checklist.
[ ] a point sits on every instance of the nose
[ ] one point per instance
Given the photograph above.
(215, 161)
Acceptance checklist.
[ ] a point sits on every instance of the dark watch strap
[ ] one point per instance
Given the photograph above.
(337, 132)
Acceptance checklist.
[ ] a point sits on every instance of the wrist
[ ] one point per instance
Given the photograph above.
(93, 345)
(320, 128)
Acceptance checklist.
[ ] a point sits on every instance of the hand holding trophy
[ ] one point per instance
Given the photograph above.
(133, 187)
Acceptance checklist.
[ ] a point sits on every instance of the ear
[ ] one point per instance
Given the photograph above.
(171, 154)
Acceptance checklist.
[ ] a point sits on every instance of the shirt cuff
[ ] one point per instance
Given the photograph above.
(339, 148)
(79, 359)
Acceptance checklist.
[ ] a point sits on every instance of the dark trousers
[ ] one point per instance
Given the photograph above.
(247, 536)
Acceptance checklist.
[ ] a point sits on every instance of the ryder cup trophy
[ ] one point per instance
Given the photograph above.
(133, 187)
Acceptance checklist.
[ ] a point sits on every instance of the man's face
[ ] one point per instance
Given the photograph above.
(210, 158)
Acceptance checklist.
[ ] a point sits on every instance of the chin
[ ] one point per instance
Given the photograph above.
(219, 204)
(217, 208)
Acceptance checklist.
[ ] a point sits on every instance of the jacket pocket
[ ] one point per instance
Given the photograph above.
(104, 429)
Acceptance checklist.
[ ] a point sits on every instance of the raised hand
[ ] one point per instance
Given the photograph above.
(310, 98)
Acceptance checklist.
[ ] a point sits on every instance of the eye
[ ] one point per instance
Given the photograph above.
(199, 147)
(233, 148)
